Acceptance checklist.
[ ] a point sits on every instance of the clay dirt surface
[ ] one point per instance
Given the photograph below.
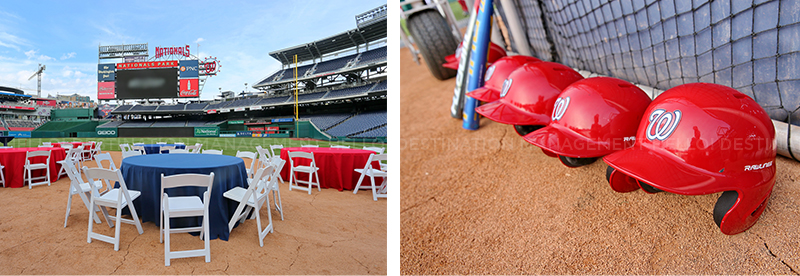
(327, 232)
(487, 202)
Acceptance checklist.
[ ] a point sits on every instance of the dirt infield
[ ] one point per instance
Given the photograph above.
(328, 232)
(487, 202)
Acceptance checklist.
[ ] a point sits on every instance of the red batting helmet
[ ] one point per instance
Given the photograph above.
(703, 138)
(496, 74)
(495, 52)
(591, 118)
(528, 95)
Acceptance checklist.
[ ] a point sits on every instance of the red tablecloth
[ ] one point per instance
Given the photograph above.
(74, 144)
(14, 161)
(335, 166)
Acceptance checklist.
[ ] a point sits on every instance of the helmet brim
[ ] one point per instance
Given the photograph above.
(565, 142)
(485, 94)
(505, 113)
(663, 172)
(452, 64)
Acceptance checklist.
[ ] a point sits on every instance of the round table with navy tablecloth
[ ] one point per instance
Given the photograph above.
(336, 166)
(156, 148)
(143, 173)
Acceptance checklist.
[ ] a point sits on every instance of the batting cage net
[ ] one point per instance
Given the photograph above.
(749, 45)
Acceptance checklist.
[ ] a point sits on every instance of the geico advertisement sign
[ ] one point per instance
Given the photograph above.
(107, 132)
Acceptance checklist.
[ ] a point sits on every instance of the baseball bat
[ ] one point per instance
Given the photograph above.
(457, 106)
(477, 62)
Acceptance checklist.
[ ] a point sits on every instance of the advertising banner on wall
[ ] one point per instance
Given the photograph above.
(283, 120)
(147, 64)
(105, 90)
(206, 132)
(189, 88)
(189, 68)
(244, 134)
(107, 132)
(20, 134)
(105, 72)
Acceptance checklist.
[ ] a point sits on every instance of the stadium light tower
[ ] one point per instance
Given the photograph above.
(39, 74)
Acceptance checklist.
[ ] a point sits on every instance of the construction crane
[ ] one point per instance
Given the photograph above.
(38, 73)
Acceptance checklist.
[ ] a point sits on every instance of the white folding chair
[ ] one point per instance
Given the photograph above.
(125, 147)
(217, 152)
(86, 152)
(185, 206)
(376, 149)
(163, 149)
(49, 144)
(277, 163)
(2, 175)
(71, 157)
(81, 188)
(191, 148)
(31, 166)
(263, 156)
(310, 146)
(45, 146)
(311, 170)
(254, 197)
(372, 173)
(131, 153)
(96, 150)
(340, 147)
(179, 143)
(117, 198)
(272, 149)
(105, 157)
(161, 143)
(65, 145)
(249, 155)
(178, 151)
(199, 147)
(139, 148)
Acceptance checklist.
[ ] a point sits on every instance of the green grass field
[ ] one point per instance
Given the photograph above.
(229, 146)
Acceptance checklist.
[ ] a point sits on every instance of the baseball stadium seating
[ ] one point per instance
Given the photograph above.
(359, 123)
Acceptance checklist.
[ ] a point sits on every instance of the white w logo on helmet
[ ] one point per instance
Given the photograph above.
(662, 124)
(559, 108)
(506, 87)
(489, 73)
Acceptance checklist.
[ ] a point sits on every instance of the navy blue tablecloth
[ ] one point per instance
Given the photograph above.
(143, 173)
(156, 148)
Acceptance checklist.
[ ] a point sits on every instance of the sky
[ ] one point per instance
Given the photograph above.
(65, 35)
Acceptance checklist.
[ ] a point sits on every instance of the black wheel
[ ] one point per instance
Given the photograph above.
(609, 171)
(524, 130)
(648, 188)
(577, 162)
(435, 41)
(724, 204)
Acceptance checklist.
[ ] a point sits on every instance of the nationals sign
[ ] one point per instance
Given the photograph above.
(172, 51)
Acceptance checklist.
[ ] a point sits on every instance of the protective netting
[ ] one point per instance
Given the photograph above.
(749, 45)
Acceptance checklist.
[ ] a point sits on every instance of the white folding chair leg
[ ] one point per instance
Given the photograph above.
(358, 184)
(278, 203)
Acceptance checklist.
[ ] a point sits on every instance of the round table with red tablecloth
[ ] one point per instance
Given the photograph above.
(74, 144)
(14, 161)
(336, 166)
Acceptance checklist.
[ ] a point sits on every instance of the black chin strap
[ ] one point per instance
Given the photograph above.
(789, 136)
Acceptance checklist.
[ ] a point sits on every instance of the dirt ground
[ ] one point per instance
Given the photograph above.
(487, 202)
(328, 232)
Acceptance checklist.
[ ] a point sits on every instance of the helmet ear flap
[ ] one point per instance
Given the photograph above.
(620, 182)
(733, 214)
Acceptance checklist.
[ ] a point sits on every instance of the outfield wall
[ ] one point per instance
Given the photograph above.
(156, 132)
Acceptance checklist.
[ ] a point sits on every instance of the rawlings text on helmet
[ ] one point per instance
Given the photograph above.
(506, 87)
(662, 124)
(559, 108)
(758, 166)
(489, 73)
